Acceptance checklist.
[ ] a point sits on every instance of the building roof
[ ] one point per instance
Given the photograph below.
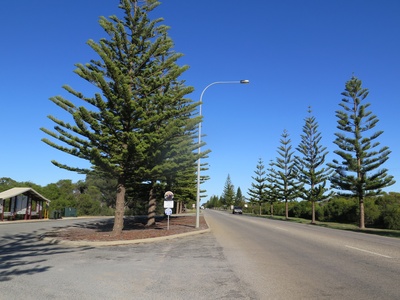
(19, 191)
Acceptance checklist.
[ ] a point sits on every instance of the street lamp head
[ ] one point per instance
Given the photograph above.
(244, 81)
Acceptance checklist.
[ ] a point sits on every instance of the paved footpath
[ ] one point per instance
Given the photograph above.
(191, 267)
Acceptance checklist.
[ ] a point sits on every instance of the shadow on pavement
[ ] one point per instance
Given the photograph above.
(106, 225)
(26, 254)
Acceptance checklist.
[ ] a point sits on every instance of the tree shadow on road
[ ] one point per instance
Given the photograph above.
(26, 254)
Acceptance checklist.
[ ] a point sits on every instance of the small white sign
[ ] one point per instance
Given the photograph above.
(168, 211)
(168, 204)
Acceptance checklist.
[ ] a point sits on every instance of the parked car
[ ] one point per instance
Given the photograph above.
(237, 210)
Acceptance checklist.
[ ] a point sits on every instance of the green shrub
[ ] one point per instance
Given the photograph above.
(302, 209)
(389, 207)
(342, 210)
(391, 216)
(279, 208)
(86, 206)
(372, 212)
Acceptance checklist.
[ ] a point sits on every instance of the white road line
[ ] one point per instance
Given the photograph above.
(370, 252)
(280, 228)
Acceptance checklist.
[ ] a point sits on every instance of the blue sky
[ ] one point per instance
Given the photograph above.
(295, 53)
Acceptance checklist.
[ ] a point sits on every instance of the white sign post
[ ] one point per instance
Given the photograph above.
(168, 204)
(168, 212)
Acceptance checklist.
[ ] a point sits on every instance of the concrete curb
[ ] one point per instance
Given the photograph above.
(123, 242)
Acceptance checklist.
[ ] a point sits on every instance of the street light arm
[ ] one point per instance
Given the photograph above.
(244, 81)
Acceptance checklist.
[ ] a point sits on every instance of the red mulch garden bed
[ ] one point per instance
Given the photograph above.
(133, 229)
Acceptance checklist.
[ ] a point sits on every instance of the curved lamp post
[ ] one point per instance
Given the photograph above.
(244, 81)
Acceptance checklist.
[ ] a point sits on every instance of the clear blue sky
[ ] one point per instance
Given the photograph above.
(295, 53)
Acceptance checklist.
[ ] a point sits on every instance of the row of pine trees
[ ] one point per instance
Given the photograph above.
(304, 174)
(382, 211)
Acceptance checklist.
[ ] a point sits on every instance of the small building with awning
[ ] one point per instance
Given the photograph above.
(22, 203)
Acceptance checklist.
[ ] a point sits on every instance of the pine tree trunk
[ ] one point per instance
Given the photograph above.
(362, 218)
(119, 210)
(286, 210)
(313, 213)
(272, 209)
(260, 209)
(151, 211)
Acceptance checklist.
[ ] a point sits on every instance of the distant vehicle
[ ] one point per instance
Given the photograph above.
(237, 210)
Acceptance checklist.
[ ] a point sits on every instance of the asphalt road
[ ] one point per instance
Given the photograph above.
(241, 258)
(285, 260)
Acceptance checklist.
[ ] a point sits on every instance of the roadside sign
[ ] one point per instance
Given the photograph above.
(168, 212)
(168, 204)
(168, 196)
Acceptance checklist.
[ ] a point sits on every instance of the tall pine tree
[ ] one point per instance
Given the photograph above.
(239, 198)
(228, 195)
(358, 173)
(285, 176)
(179, 175)
(140, 105)
(257, 192)
(272, 194)
(310, 166)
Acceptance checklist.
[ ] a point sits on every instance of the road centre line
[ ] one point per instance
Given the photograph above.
(370, 252)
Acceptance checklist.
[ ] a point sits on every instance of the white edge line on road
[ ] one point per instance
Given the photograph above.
(280, 228)
(367, 251)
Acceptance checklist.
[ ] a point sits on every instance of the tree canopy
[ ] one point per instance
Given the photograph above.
(311, 169)
(257, 192)
(358, 173)
(285, 175)
(128, 129)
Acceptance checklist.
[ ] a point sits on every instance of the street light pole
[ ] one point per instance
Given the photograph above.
(244, 81)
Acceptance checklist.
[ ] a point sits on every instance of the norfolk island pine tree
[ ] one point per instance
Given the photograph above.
(271, 194)
(257, 192)
(310, 166)
(284, 173)
(357, 173)
(228, 195)
(136, 75)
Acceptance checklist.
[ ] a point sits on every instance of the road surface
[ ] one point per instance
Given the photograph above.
(285, 260)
